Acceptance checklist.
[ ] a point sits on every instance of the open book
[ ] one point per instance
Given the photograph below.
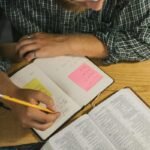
(71, 81)
(121, 122)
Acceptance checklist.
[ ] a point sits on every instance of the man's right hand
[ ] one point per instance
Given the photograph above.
(32, 117)
(28, 116)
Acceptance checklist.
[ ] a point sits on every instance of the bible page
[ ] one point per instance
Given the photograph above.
(125, 121)
(82, 134)
(32, 78)
(77, 76)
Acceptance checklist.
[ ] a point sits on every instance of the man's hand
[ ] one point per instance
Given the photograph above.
(40, 45)
(32, 117)
(29, 117)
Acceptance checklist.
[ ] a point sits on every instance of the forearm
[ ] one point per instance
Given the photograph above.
(6, 87)
(85, 45)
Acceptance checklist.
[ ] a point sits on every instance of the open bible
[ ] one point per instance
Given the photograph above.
(72, 82)
(121, 122)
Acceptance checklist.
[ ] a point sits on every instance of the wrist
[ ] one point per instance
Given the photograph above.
(85, 45)
(65, 42)
(7, 88)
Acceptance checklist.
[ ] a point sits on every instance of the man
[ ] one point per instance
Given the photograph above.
(112, 30)
(117, 31)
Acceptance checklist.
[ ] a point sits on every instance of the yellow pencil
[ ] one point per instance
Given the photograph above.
(18, 101)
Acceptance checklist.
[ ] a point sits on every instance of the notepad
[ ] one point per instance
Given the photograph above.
(121, 122)
(35, 84)
(71, 81)
(85, 76)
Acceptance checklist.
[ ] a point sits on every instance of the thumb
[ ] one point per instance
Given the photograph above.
(45, 100)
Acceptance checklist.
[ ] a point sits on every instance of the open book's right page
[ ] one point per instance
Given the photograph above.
(119, 123)
(125, 120)
(78, 77)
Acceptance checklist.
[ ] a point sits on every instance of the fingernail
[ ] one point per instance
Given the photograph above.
(54, 108)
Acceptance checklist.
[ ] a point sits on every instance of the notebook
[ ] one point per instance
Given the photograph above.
(71, 81)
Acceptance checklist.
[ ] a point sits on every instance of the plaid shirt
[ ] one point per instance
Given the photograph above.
(123, 25)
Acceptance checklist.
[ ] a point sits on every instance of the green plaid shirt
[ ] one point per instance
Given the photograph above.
(123, 25)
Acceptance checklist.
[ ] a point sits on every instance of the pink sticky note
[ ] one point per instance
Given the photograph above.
(85, 76)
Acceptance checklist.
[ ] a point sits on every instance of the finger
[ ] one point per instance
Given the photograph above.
(40, 53)
(40, 116)
(29, 36)
(48, 118)
(27, 48)
(41, 97)
(32, 36)
(30, 56)
(33, 101)
(39, 126)
(24, 42)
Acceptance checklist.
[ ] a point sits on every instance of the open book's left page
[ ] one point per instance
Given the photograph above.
(82, 134)
(31, 77)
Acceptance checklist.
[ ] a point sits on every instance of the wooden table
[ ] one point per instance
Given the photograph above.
(133, 75)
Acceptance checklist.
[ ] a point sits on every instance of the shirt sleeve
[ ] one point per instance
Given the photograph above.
(4, 65)
(128, 45)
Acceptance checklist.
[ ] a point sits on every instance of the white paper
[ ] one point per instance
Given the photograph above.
(124, 120)
(59, 68)
(80, 135)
